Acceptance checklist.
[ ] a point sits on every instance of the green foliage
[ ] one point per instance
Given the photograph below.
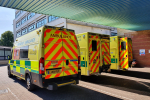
(7, 39)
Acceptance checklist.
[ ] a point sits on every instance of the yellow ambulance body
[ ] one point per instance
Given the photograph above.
(94, 53)
(46, 57)
(121, 52)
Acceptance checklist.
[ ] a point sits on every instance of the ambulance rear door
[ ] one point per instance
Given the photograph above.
(70, 52)
(94, 53)
(124, 64)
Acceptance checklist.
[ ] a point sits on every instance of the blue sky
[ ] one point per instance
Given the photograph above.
(7, 16)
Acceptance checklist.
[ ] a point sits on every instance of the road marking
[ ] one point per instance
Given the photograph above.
(143, 84)
(3, 91)
(105, 92)
(13, 94)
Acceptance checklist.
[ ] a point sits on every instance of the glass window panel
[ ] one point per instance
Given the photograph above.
(45, 21)
(31, 27)
(37, 25)
(57, 17)
(18, 34)
(24, 31)
(49, 18)
(31, 15)
(24, 52)
(123, 45)
(24, 20)
(1, 52)
(53, 18)
(7, 52)
(94, 45)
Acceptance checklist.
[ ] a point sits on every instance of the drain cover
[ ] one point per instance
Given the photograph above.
(3, 91)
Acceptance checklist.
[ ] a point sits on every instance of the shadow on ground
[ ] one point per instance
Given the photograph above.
(137, 74)
(119, 83)
(70, 92)
(2, 65)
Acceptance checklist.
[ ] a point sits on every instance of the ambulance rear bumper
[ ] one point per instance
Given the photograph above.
(54, 83)
(54, 86)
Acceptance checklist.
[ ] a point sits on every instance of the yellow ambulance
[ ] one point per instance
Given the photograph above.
(46, 57)
(94, 53)
(121, 52)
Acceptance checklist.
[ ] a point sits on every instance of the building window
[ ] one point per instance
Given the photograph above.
(18, 34)
(30, 15)
(24, 20)
(113, 34)
(41, 23)
(51, 18)
(31, 27)
(18, 24)
(17, 14)
(24, 31)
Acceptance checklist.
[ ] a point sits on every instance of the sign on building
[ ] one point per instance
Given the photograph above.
(142, 52)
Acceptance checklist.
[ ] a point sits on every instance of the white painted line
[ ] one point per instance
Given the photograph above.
(105, 92)
(144, 84)
(13, 94)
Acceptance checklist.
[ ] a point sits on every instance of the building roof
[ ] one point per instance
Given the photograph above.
(5, 47)
(126, 14)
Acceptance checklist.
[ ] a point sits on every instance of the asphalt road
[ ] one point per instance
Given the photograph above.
(106, 86)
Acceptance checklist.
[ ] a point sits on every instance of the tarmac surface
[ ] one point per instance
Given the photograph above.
(107, 86)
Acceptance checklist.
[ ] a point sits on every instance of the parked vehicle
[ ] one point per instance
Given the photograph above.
(46, 57)
(94, 53)
(121, 52)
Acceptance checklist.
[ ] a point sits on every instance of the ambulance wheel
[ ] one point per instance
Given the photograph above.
(29, 84)
(9, 72)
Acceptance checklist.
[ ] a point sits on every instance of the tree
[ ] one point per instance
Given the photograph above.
(7, 39)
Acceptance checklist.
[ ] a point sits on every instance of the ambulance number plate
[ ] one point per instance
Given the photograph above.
(54, 71)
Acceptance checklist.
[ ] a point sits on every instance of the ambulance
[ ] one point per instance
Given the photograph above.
(46, 57)
(121, 52)
(94, 53)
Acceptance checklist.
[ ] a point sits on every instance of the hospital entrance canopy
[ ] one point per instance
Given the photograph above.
(126, 14)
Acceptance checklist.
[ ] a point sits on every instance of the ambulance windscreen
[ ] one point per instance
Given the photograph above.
(123, 45)
(94, 45)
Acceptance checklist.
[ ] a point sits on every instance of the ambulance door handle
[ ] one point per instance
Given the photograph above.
(83, 58)
(126, 56)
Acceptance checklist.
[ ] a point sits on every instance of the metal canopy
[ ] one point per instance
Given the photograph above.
(126, 14)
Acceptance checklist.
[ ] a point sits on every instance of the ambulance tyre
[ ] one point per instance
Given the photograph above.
(9, 72)
(29, 84)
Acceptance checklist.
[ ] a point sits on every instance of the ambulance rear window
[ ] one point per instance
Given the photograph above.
(94, 45)
(123, 45)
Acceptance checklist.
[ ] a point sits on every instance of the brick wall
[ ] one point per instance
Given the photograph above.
(140, 40)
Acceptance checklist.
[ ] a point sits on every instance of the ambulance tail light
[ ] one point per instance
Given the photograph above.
(41, 66)
(79, 66)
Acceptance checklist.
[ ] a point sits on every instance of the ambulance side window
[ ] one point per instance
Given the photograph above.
(24, 52)
(123, 45)
(94, 45)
